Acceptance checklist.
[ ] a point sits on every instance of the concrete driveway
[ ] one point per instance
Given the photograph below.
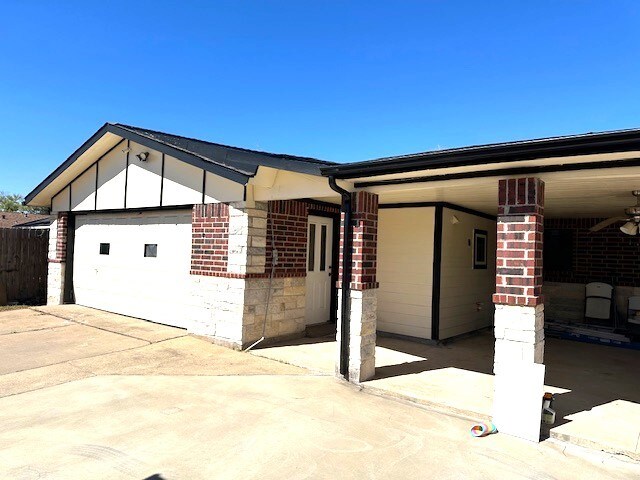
(87, 394)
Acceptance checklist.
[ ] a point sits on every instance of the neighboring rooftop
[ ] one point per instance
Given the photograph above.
(15, 219)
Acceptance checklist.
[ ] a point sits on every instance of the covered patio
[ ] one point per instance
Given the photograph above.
(417, 260)
(597, 395)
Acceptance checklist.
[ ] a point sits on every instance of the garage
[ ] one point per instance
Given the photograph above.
(132, 263)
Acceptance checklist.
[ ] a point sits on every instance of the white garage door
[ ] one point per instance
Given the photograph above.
(135, 264)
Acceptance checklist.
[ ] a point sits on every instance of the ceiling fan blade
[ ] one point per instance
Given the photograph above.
(606, 223)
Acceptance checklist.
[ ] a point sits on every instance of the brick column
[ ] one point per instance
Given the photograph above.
(363, 306)
(519, 314)
(58, 234)
(228, 248)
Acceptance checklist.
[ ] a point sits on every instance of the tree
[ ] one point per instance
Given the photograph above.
(12, 202)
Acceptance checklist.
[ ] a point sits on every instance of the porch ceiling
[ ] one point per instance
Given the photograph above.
(582, 193)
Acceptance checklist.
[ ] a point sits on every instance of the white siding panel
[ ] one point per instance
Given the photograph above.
(111, 179)
(182, 183)
(127, 282)
(405, 270)
(143, 182)
(463, 290)
(60, 203)
(219, 189)
(83, 191)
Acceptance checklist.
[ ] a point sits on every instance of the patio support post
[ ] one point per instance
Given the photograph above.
(362, 312)
(58, 232)
(519, 314)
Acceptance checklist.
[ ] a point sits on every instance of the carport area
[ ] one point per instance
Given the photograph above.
(503, 372)
(596, 387)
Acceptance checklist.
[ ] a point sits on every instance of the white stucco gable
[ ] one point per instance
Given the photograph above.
(120, 180)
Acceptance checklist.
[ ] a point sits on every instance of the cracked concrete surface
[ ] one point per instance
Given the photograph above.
(121, 398)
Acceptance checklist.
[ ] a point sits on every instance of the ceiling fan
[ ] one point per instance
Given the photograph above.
(632, 219)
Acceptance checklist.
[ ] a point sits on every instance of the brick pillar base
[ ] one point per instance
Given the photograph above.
(519, 315)
(363, 292)
(362, 335)
(57, 256)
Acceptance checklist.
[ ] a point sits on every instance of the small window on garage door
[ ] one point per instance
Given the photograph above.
(150, 249)
(105, 248)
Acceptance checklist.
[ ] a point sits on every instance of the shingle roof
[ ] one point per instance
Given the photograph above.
(242, 160)
(12, 219)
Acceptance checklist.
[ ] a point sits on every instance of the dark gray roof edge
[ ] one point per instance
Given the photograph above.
(581, 144)
(36, 223)
(64, 165)
(213, 166)
(285, 156)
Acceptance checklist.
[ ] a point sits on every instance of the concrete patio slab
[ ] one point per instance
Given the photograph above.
(183, 356)
(456, 379)
(27, 319)
(613, 427)
(32, 349)
(319, 355)
(267, 427)
(453, 391)
(131, 327)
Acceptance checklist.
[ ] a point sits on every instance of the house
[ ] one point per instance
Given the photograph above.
(241, 245)
(24, 220)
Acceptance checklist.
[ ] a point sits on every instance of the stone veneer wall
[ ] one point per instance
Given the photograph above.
(57, 257)
(231, 291)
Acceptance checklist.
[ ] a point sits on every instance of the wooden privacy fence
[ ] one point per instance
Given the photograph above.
(23, 264)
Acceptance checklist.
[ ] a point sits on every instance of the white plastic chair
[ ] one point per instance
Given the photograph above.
(633, 311)
(598, 301)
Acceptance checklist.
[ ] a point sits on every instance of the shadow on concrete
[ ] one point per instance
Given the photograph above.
(473, 353)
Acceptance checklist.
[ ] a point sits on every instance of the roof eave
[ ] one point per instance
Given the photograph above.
(599, 143)
(228, 173)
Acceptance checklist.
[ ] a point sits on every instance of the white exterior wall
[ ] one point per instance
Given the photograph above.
(112, 178)
(220, 189)
(182, 183)
(143, 182)
(405, 270)
(465, 293)
(60, 203)
(159, 289)
(143, 178)
(83, 191)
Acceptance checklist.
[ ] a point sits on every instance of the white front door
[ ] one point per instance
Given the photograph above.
(319, 256)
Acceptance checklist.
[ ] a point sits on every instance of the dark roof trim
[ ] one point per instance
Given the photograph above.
(264, 156)
(570, 167)
(192, 159)
(56, 173)
(586, 144)
(451, 206)
(225, 171)
(41, 222)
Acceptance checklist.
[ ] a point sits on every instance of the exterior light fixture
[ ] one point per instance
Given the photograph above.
(142, 156)
(630, 228)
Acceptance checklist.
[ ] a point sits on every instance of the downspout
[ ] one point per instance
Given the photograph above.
(347, 250)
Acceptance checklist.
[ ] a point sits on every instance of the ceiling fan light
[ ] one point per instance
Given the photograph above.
(630, 228)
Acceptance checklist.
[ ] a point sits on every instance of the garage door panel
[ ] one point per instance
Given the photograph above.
(125, 281)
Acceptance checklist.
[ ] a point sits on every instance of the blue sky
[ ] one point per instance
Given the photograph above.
(341, 81)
